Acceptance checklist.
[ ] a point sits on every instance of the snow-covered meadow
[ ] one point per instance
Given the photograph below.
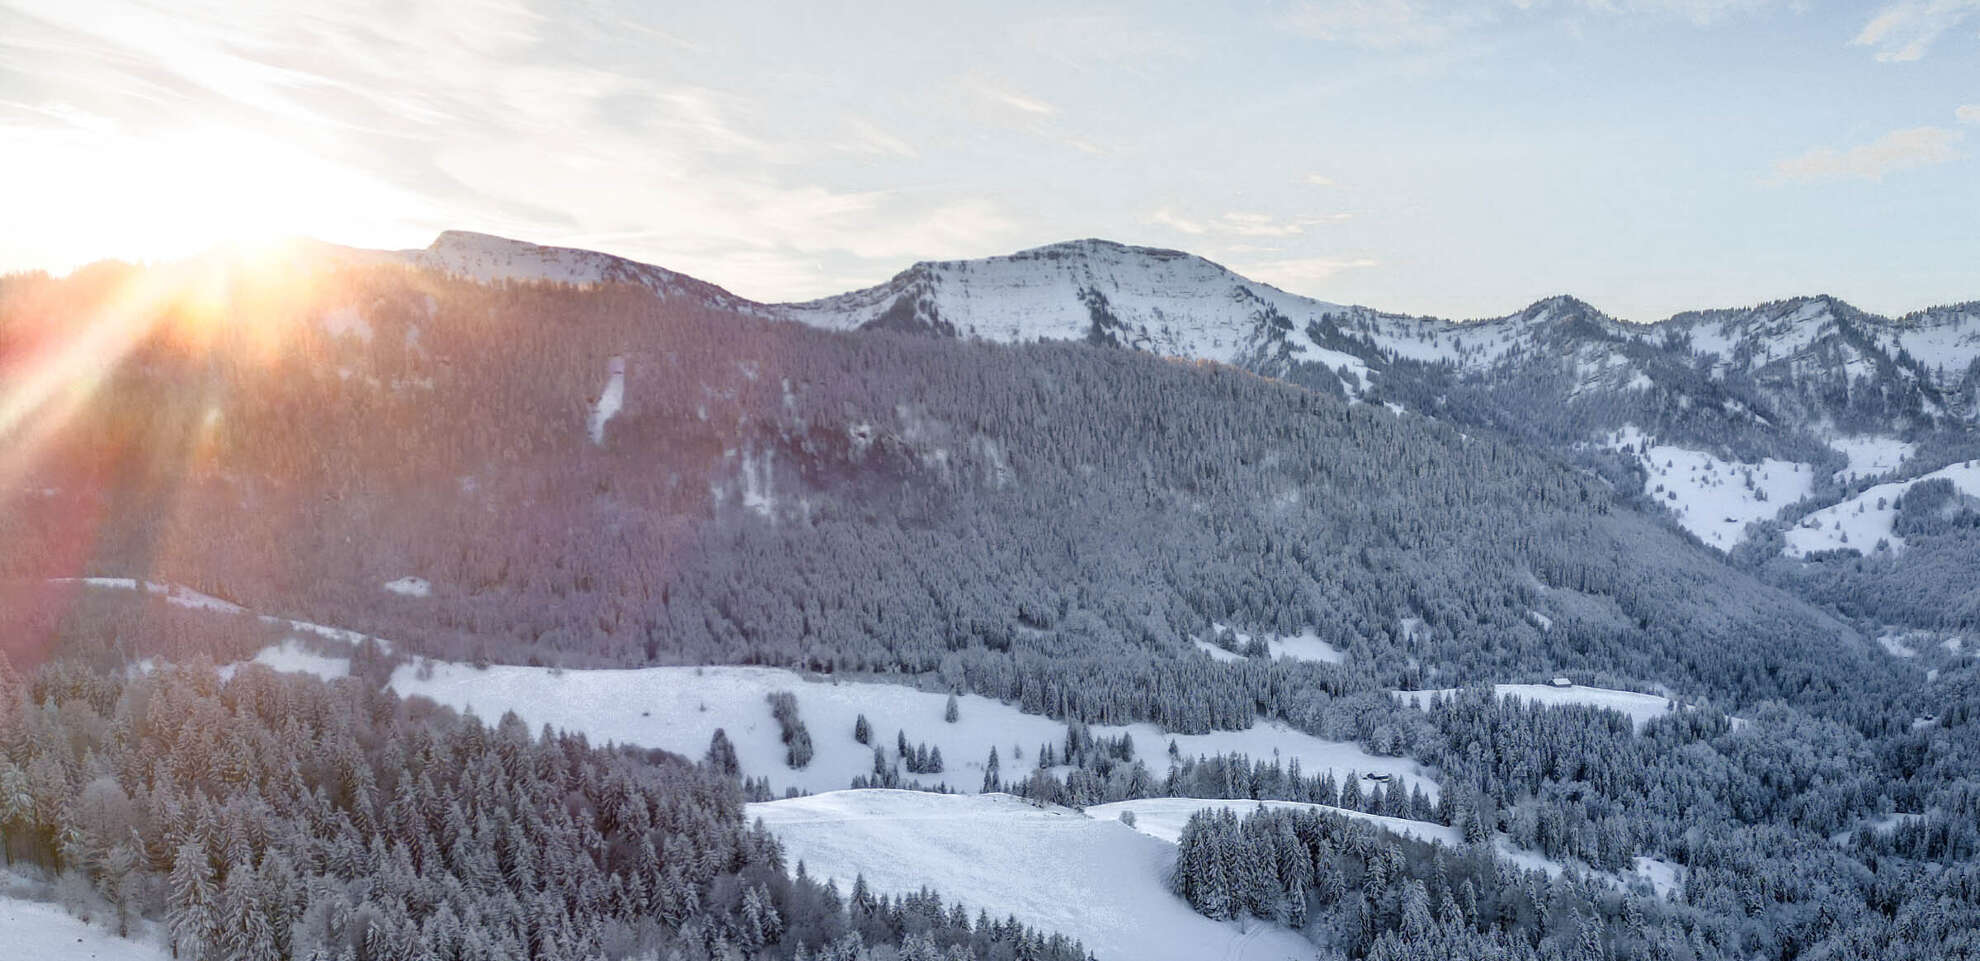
(678, 709)
(1094, 879)
(1862, 521)
(1712, 498)
(1641, 708)
(36, 930)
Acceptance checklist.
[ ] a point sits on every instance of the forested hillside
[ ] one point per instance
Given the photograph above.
(1046, 523)
(406, 468)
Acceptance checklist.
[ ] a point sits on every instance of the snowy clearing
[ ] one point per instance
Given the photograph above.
(194, 600)
(1164, 817)
(291, 658)
(1641, 708)
(1714, 499)
(409, 587)
(44, 932)
(1861, 521)
(610, 400)
(678, 709)
(1304, 646)
(1871, 456)
(1096, 880)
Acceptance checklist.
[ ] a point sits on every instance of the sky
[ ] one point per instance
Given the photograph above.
(1461, 159)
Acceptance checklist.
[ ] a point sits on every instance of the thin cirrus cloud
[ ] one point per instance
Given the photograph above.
(1297, 273)
(1905, 31)
(492, 114)
(1893, 152)
(1242, 223)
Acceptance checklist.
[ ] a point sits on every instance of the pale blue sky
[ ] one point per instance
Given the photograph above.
(1462, 159)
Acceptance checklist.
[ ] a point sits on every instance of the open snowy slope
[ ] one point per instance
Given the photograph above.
(1861, 522)
(1641, 708)
(33, 931)
(1164, 301)
(1163, 818)
(490, 259)
(1096, 880)
(679, 708)
(1713, 498)
(190, 599)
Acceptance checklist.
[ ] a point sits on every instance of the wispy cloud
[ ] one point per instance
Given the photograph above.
(1906, 30)
(493, 116)
(1384, 25)
(1299, 273)
(1395, 25)
(1243, 223)
(1890, 153)
(1969, 113)
(1015, 100)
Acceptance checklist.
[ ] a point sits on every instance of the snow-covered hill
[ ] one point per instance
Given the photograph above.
(1865, 521)
(1163, 301)
(1096, 880)
(490, 259)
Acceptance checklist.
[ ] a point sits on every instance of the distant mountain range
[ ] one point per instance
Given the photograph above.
(1796, 363)
(1835, 395)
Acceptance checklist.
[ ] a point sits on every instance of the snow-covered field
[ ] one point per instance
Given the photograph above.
(1097, 880)
(1861, 521)
(409, 586)
(1163, 818)
(1641, 708)
(678, 709)
(1304, 646)
(1870, 456)
(33, 931)
(293, 658)
(1715, 499)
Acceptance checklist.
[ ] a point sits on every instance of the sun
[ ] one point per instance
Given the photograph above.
(160, 196)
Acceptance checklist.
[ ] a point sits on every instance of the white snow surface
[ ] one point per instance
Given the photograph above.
(33, 931)
(1711, 497)
(1304, 646)
(1164, 301)
(1860, 522)
(678, 709)
(1641, 708)
(1871, 456)
(409, 586)
(186, 597)
(1163, 818)
(292, 658)
(1096, 880)
(610, 400)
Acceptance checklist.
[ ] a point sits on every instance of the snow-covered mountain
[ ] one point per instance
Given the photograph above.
(1809, 389)
(1163, 301)
(487, 259)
